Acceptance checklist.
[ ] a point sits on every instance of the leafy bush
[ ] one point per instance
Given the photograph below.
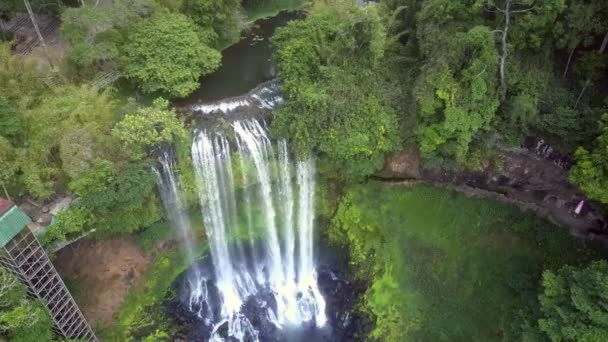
(165, 53)
(149, 128)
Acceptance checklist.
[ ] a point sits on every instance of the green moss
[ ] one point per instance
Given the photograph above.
(444, 266)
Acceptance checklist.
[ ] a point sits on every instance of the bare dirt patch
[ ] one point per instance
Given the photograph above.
(103, 271)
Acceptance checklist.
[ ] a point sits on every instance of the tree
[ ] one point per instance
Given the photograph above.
(582, 21)
(112, 200)
(335, 105)
(95, 33)
(30, 12)
(21, 319)
(591, 170)
(8, 166)
(123, 202)
(457, 95)
(165, 53)
(574, 303)
(149, 128)
(533, 23)
(11, 119)
(219, 21)
(20, 80)
(65, 133)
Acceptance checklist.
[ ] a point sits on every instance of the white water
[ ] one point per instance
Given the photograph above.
(264, 96)
(171, 196)
(282, 260)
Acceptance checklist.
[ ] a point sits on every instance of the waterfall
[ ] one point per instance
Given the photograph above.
(173, 202)
(265, 96)
(269, 260)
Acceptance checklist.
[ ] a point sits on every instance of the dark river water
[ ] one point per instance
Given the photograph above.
(244, 64)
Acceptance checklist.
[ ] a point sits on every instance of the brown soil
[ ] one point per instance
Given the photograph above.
(104, 271)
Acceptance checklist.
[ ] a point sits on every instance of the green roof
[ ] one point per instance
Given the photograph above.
(11, 223)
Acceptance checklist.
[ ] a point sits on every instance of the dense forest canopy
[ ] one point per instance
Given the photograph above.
(470, 77)
(454, 81)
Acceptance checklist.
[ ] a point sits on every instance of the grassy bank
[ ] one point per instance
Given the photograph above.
(142, 313)
(269, 8)
(447, 267)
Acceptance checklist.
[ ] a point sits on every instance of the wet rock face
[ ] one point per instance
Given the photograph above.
(533, 177)
(344, 324)
(402, 164)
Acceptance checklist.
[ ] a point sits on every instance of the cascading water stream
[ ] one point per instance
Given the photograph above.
(269, 261)
(171, 197)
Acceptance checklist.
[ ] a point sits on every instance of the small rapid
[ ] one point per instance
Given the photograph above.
(265, 96)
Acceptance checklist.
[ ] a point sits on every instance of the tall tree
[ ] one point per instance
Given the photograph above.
(219, 21)
(148, 129)
(591, 170)
(34, 21)
(581, 23)
(166, 54)
(457, 94)
(21, 319)
(95, 33)
(574, 303)
(321, 59)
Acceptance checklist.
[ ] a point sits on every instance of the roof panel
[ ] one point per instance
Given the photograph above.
(11, 223)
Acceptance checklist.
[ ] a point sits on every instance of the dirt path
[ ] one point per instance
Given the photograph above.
(103, 271)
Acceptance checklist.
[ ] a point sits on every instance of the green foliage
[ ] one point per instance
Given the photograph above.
(20, 79)
(21, 319)
(69, 224)
(456, 95)
(95, 33)
(259, 9)
(157, 336)
(11, 120)
(160, 230)
(443, 266)
(172, 5)
(580, 22)
(320, 58)
(534, 22)
(591, 170)
(110, 202)
(165, 53)
(142, 315)
(66, 132)
(149, 128)
(94, 179)
(218, 21)
(574, 303)
(127, 202)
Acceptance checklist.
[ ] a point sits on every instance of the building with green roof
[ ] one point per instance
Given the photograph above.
(12, 221)
(22, 255)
